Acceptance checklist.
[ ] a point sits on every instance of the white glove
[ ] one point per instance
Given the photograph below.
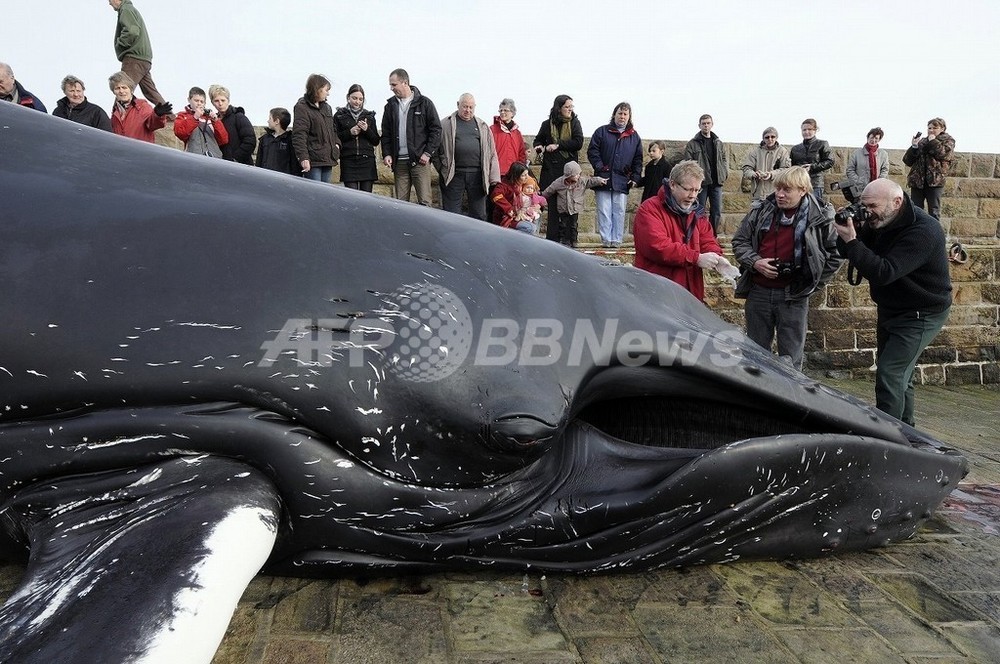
(728, 271)
(709, 260)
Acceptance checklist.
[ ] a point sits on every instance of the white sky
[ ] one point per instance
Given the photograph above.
(851, 64)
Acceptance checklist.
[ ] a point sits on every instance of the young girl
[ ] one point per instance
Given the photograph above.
(532, 203)
(657, 169)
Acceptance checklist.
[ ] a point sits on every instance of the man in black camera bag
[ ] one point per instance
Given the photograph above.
(900, 250)
(787, 249)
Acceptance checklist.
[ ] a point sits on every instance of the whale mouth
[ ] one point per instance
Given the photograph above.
(684, 410)
(684, 422)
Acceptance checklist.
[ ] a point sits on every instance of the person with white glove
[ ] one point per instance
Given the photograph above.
(673, 236)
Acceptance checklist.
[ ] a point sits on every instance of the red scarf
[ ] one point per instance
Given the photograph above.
(872, 162)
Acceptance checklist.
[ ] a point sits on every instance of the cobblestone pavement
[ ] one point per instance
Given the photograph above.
(934, 598)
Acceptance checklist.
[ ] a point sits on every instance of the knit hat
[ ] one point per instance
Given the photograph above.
(571, 169)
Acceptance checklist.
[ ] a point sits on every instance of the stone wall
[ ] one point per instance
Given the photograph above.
(841, 338)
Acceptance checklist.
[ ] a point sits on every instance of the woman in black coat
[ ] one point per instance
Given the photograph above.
(358, 138)
(557, 143)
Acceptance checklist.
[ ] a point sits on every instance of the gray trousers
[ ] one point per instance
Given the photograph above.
(418, 176)
(768, 315)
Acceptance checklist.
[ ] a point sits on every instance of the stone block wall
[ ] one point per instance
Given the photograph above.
(841, 338)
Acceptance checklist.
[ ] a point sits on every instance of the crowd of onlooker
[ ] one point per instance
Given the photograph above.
(789, 244)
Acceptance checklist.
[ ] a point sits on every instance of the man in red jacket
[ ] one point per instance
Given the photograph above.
(673, 236)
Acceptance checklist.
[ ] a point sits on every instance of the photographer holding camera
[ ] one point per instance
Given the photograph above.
(900, 250)
(787, 249)
(199, 127)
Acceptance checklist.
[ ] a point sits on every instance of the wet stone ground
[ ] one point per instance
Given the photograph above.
(934, 598)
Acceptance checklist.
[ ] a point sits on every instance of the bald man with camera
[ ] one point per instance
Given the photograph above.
(900, 250)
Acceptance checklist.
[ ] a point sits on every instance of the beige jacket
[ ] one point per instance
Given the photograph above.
(766, 161)
(490, 165)
(569, 200)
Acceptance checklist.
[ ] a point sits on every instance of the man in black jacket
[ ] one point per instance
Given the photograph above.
(900, 250)
(74, 106)
(710, 153)
(411, 135)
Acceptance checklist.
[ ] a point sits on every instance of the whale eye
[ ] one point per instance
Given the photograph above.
(517, 433)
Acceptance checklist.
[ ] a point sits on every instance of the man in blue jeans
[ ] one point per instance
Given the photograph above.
(900, 250)
(710, 153)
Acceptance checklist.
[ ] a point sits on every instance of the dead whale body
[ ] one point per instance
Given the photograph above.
(206, 367)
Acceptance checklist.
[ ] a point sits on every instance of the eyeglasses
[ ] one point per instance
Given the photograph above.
(690, 190)
(504, 110)
(770, 136)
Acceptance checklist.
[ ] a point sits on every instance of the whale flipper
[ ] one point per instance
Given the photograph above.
(142, 564)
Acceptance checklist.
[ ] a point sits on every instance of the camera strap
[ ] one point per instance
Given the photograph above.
(853, 278)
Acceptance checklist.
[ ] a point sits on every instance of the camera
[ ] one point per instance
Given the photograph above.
(785, 269)
(855, 210)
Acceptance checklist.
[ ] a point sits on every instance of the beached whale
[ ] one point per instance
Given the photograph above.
(206, 368)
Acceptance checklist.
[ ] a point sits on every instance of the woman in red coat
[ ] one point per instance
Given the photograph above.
(506, 199)
(673, 236)
(507, 137)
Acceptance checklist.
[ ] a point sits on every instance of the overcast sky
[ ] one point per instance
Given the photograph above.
(851, 64)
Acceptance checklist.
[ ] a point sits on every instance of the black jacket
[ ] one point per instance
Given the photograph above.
(553, 162)
(242, 137)
(815, 152)
(653, 177)
(905, 263)
(357, 153)
(86, 113)
(276, 154)
(423, 127)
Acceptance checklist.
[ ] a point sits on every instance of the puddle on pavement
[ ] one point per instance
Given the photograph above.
(975, 503)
